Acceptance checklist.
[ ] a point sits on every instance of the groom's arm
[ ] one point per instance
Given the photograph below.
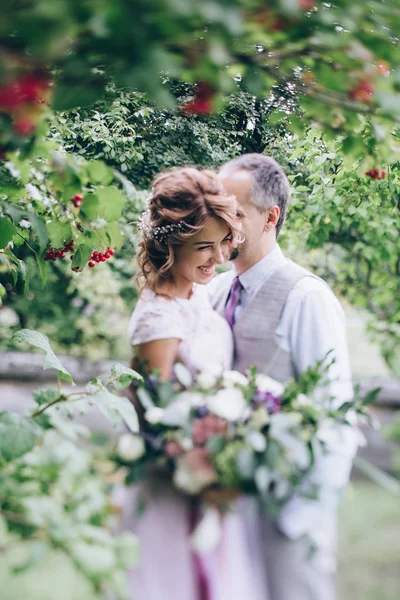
(312, 324)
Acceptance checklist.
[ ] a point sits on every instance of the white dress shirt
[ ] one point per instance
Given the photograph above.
(311, 325)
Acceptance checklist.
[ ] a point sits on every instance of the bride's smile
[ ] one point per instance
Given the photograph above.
(196, 260)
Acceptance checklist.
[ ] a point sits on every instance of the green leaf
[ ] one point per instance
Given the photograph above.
(42, 266)
(114, 235)
(371, 396)
(59, 232)
(7, 230)
(111, 203)
(81, 256)
(39, 227)
(99, 172)
(386, 481)
(216, 443)
(124, 376)
(127, 547)
(94, 559)
(41, 341)
(67, 96)
(45, 396)
(18, 435)
(112, 406)
(90, 207)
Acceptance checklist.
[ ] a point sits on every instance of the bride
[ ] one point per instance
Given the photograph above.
(191, 226)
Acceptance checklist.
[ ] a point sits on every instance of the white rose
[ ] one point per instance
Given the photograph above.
(228, 404)
(232, 378)
(154, 415)
(267, 384)
(130, 447)
(206, 380)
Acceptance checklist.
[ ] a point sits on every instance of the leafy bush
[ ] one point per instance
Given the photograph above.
(55, 484)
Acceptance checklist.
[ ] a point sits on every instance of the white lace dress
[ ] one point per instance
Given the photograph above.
(206, 338)
(168, 569)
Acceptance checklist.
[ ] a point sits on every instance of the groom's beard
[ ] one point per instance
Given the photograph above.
(234, 254)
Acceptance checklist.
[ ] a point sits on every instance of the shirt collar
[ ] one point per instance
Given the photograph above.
(254, 276)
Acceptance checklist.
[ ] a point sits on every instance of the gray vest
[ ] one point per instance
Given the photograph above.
(254, 331)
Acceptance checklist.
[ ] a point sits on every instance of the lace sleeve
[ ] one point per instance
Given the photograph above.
(157, 320)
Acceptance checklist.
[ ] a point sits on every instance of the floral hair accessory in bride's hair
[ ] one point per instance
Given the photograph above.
(160, 232)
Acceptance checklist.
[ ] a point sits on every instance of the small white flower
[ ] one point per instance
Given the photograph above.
(259, 417)
(262, 478)
(228, 404)
(256, 440)
(185, 479)
(154, 415)
(303, 400)
(267, 384)
(187, 444)
(130, 447)
(233, 378)
(207, 380)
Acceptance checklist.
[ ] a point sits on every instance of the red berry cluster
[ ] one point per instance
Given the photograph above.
(23, 90)
(53, 253)
(376, 174)
(76, 200)
(98, 257)
(363, 92)
(21, 98)
(203, 101)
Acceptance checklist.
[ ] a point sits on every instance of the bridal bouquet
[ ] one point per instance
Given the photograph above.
(227, 431)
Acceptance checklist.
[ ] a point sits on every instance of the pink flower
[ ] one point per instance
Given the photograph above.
(173, 448)
(206, 428)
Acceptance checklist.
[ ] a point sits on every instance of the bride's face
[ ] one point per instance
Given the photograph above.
(196, 260)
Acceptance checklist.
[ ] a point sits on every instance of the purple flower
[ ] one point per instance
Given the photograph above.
(202, 411)
(269, 401)
(151, 382)
(154, 440)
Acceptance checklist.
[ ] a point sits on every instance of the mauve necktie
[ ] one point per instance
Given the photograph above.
(233, 301)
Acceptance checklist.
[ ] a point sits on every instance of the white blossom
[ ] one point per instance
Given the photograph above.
(267, 384)
(228, 404)
(154, 415)
(130, 447)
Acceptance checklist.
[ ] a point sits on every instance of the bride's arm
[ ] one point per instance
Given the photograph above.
(160, 355)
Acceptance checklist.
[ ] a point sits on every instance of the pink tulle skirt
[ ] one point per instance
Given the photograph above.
(169, 570)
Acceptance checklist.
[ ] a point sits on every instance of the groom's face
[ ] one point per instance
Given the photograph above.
(239, 184)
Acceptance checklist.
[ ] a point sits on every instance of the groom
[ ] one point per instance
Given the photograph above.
(284, 319)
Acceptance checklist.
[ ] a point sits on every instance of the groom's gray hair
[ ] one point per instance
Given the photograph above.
(270, 184)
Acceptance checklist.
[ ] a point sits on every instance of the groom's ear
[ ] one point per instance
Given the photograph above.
(271, 217)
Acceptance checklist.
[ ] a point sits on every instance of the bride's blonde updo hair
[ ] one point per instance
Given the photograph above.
(183, 200)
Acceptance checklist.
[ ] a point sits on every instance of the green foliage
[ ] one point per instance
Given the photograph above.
(55, 511)
(138, 139)
(356, 219)
(41, 341)
(340, 60)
